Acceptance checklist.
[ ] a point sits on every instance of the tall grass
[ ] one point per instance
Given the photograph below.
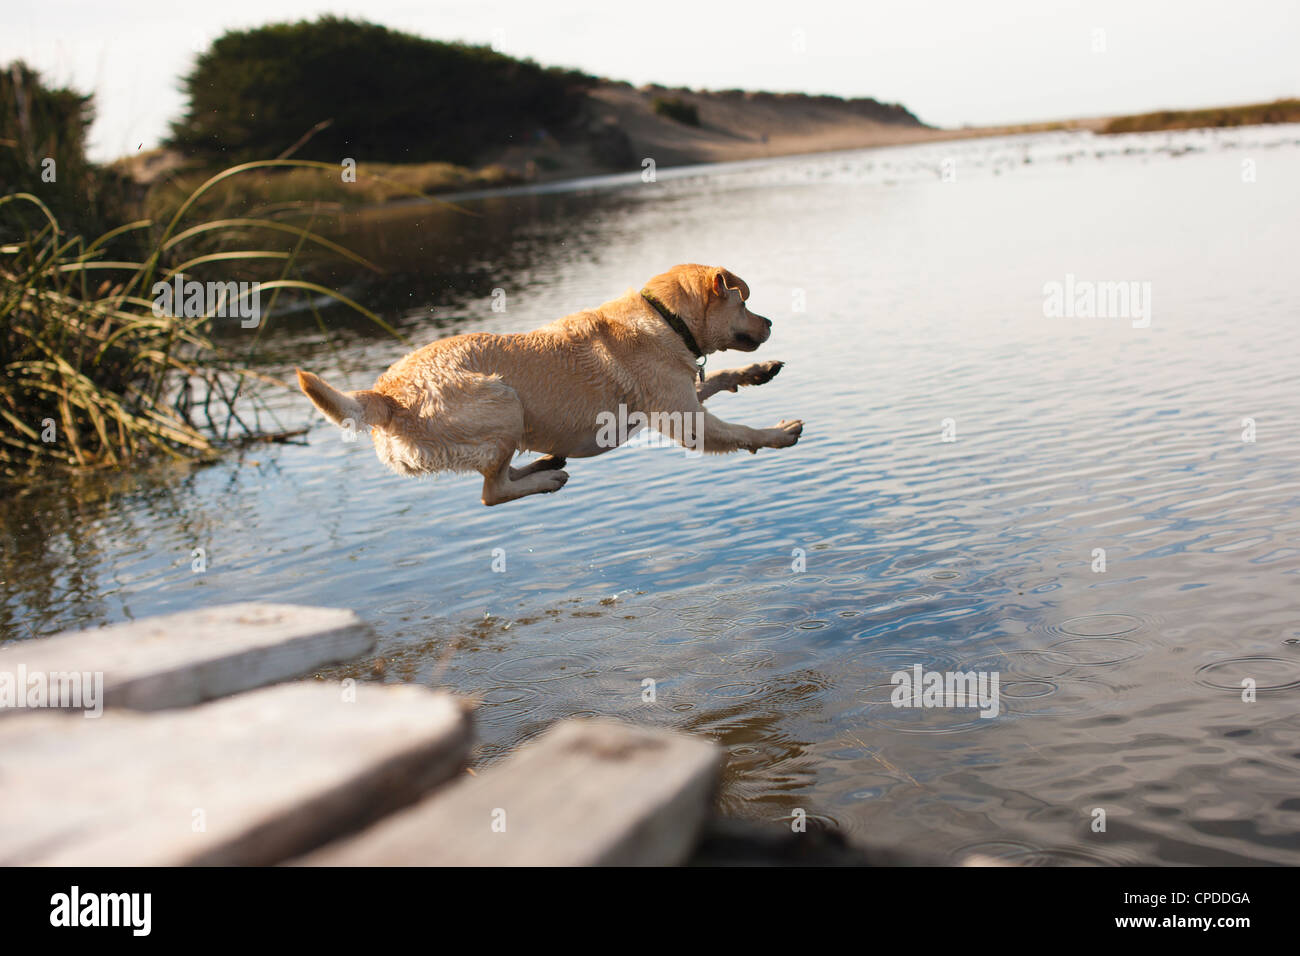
(91, 375)
(376, 183)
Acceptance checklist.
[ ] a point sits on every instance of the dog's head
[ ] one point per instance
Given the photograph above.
(711, 300)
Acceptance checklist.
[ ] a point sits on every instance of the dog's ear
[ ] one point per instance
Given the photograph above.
(725, 281)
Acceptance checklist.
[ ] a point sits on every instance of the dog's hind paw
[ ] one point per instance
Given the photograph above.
(551, 481)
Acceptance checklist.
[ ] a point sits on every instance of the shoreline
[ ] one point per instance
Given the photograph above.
(624, 131)
(597, 178)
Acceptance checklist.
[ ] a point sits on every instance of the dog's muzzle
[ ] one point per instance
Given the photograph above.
(748, 343)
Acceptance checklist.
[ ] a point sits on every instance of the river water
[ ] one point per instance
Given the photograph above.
(1101, 509)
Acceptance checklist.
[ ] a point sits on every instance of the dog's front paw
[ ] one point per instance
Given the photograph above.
(759, 373)
(785, 434)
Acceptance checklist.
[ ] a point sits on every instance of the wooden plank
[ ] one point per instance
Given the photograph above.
(177, 660)
(269, 774)
(588, 792)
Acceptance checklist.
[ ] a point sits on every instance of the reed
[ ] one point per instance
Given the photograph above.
(93, 376)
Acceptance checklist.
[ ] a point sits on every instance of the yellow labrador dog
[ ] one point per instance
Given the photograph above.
(472, 402)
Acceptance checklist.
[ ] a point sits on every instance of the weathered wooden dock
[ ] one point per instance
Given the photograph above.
(208, 752)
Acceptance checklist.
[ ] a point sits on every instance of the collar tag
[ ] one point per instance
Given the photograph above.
(699, 366)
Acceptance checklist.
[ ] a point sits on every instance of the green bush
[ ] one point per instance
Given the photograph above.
(387, 96)
(43, 152)
(676, 109)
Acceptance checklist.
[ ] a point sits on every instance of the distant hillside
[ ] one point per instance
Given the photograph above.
(333, 88)
(620, 125)
(1255, 114)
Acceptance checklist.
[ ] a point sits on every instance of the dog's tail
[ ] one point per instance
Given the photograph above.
(366, 407)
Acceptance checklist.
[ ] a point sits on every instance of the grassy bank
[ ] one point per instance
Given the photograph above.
(323, 185)
(95, 371)
(1254, 114)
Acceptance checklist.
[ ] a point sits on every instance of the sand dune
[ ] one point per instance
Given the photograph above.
(621, 128)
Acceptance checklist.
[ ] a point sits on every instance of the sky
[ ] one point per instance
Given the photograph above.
(950, 62)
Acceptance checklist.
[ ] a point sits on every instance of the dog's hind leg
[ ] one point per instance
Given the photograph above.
(729, 379)
(500, 486)
(545, 463)
(484, 427)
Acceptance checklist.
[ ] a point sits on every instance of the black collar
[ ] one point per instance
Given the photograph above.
(675, 322)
